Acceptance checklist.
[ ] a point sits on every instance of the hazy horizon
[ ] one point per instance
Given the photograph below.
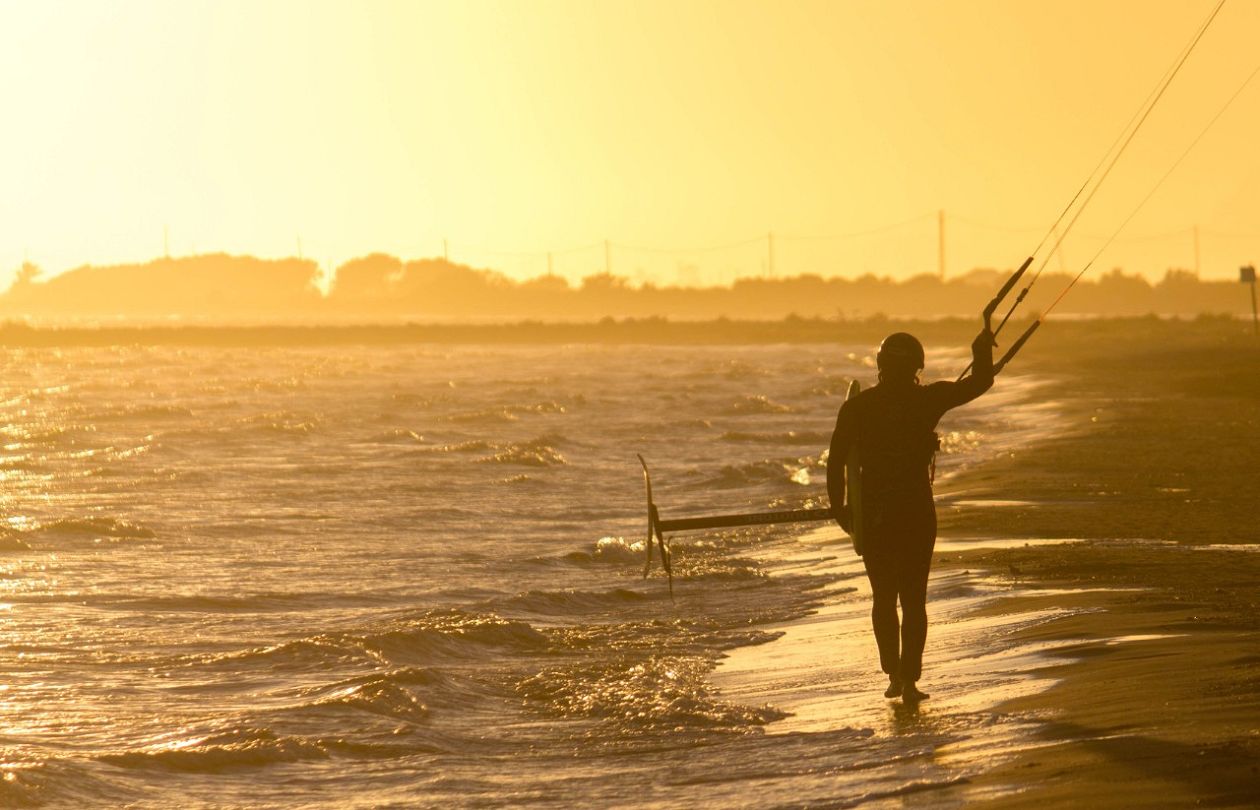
(379, 288)
(511, 130)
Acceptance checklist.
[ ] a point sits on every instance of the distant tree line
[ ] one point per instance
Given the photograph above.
(382, 288)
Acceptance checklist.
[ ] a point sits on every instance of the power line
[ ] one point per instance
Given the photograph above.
(705, 249)
(518, 253)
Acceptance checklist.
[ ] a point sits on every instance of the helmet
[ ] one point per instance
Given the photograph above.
(900, 349)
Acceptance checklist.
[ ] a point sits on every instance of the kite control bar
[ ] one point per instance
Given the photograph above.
(992, 307)
(997, 299)
(1015, 347)
(657, 527)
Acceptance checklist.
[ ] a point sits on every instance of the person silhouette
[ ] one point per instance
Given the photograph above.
(892, 425)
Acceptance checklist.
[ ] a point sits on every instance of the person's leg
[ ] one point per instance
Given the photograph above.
(914, 565)
(881, 570)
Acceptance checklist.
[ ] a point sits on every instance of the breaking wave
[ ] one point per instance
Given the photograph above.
(615, 550)
(766, 471)
(471, 446)
(22, 532)
(432, 636)
(488, 416)
(536, 453)
(283, 422)
(397, 436)
(236, 748)
(758, 404)
(662, 693)
(253, 748)
(552, 603)
(787, 437)
(508, 413)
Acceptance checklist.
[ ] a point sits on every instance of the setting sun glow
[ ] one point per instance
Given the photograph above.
(510, 130)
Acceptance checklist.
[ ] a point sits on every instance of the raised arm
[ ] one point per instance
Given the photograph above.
(952, 394)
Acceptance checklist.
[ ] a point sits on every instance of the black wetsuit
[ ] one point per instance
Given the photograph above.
(893, 427)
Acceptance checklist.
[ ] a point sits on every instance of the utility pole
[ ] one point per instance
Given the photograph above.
(1197, 268)
(940, 242)
(1247, 275)
(166, 241)
(446, 251)
(770, 254)
(607, 257)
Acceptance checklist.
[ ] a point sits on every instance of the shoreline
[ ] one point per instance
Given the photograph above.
(1145, 651)
(1152, 702)
(1170, 719)
(634, 331)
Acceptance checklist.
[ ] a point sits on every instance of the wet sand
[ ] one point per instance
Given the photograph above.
(1122, 669)
(1160, 481)
(1155, 702)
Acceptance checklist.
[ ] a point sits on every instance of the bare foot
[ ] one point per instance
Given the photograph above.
(894, 687)
(911, 694)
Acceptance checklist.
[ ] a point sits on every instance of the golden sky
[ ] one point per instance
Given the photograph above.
(536, 126)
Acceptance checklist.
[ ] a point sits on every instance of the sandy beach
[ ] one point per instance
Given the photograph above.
(1107, 572)
(1160, 481)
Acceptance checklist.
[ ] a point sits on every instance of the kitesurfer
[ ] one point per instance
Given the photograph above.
(892, 425)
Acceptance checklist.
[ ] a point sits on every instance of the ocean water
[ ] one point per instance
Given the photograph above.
(412, 576)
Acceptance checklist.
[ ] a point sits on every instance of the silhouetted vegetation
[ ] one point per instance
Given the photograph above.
(211, 286)
(382, 288)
